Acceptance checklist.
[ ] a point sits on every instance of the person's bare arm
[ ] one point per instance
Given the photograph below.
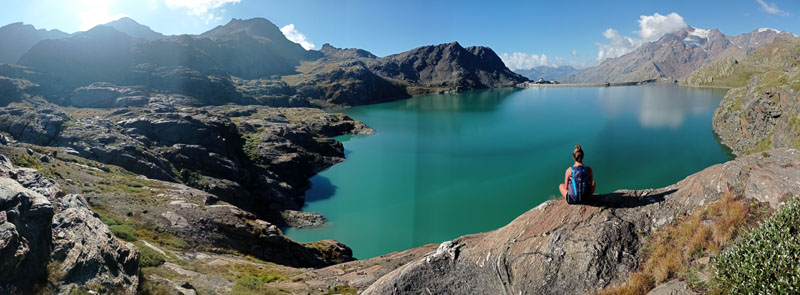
(566, 178)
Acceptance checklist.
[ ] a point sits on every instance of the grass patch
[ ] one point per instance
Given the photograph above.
(763, 145)
(669, 253)
(25, 160)
(250, 284)
(764, 260)
(119, 227)
(148, 257)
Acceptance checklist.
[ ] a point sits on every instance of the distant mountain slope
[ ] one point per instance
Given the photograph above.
(248, 49)
(674, 55)
(134, 29)
(17, 38)
(100, 54)
(762, 110)
(547, 72)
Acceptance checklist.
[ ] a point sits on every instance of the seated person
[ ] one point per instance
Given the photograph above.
(578, 186)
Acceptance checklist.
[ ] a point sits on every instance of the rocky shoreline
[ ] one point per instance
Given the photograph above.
(557, 248)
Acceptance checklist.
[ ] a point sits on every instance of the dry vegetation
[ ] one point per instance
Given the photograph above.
(683, 249)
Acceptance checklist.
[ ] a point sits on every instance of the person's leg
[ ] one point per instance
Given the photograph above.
(563, 189)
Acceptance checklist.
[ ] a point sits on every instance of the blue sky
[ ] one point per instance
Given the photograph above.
(566, 32)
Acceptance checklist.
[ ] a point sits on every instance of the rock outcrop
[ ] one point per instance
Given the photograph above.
(256, 158)
(107, 95)
(85, 253)
(54, 242)
(24, 236)
(762, 110)
(558, 248)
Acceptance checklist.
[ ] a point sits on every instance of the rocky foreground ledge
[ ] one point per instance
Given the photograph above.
(52, 243)
(557, 248)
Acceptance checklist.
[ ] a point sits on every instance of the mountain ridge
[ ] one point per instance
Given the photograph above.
(674, 55)
(20, 38)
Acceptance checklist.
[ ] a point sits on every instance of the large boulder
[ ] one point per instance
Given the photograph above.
(56, 242)
(86, 253)
(36, 125)
(24, 236)
(106, 95)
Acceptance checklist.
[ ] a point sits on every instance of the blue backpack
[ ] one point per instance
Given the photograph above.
(579, 187)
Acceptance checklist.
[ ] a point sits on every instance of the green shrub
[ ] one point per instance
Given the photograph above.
(121, 229)
(148, 257)
(124, 231)
(765, 259)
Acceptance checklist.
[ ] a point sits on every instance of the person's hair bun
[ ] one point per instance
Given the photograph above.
(578, 147)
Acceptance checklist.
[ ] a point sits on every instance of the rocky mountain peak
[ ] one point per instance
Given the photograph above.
(134, 29)
(335, 53)
(751, 40)
(255, 27)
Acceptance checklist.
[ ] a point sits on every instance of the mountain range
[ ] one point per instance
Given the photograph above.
(547, 72)
(247, 61)
(674, 55)
(18, 38)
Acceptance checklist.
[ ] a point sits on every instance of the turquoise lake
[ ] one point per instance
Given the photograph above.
(442, 166)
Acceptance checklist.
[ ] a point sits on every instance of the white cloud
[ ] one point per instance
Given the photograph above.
(523, 61)
(575, 52)
(656, 25)
(295, 36)
(771, 8)
(95, 12)
(651, 27)
(201, 8)
(617, 45)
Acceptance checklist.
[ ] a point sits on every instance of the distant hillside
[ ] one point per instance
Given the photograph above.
(762, 110)
(17, 38)
(675, 55)
(547, 72)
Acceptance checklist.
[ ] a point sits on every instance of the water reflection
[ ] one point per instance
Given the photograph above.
(662, 107)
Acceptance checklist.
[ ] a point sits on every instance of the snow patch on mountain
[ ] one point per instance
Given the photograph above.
(697, 37)
(761, 30)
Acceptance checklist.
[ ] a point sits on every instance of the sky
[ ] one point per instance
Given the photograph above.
(524, 33)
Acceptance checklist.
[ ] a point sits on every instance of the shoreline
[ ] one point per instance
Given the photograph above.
(530, 84)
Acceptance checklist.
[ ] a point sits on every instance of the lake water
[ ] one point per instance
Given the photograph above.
(442, 166)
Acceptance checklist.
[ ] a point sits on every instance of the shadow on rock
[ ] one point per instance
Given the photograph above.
(627, 199)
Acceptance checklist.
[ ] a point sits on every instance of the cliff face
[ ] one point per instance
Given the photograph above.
(762, 110)
(674, 56)
(558, 248)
